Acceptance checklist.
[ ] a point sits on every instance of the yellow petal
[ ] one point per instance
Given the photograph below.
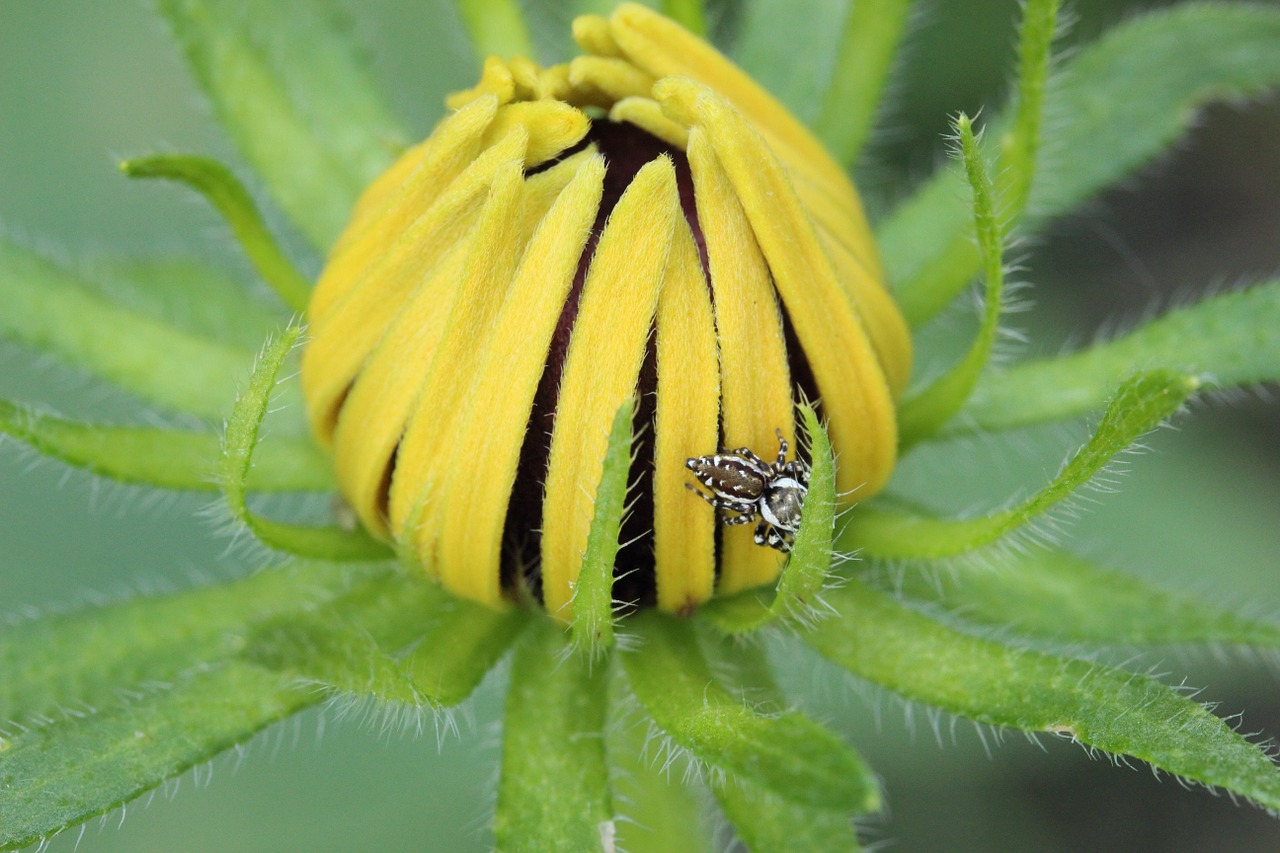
(646, 114)
(392, 203)
(664, 49)
(855, 395)
(880, 316)
(430, 443)
(601, 81)
(601, 367)
(343, 337)
(755, 382)
(552, 127)
(592, 34)
(475, 496)
(495, 79)
(686, 424)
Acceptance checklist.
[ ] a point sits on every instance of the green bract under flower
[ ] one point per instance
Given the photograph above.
(644, 221)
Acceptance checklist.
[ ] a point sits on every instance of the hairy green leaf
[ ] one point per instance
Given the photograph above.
(295, 92)
(1229, 339)
(218, 184)
(47, 307)
(1138, 406)
(593, 594)
(1061, 597)
(81, 659)
(1109, 709)
(785, 753)
(766, 820)
(660, 806)
(393, 638)
(868, 45)
(554, 790)
(1113, 106)
(82, 765)
(925, 413)
(239, 441)
(188, 294)
(160, 457)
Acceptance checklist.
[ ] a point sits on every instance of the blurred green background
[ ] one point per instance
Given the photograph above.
(83, 85)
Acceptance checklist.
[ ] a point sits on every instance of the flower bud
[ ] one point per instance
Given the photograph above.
(644, 221)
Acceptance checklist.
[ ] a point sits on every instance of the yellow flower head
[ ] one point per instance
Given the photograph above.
(644, 221)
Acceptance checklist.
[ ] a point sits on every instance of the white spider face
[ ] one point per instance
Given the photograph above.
(745, 487)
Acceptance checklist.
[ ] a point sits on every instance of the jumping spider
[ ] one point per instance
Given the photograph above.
(745, 486)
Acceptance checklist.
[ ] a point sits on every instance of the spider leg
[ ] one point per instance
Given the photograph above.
(782, 449)
(724, 504)
(744, 517)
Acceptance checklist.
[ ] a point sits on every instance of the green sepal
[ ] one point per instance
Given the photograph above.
(105, 704)
(923, 414)
(1117, 104)
(1229, 339)
(1064, 599)
(496, 27)
(1138, 406)
(772, 33)
(62, 774)
(50, 308)
(170, 459)
(229, 197)
(86, 658)
(868, 45)
(593, 594)
(238, 443)
(1109, 709)
(767, 820)
(393, 639)
(786, 753)
(296, 94)
(554, 791)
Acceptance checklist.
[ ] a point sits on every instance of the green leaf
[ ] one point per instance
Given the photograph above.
(660, 806)
(1139, 406)
(239, 440)
(161, 457)
(496, 28)
(766, 820)
(1112, 710)
(190, 295)
(1063, 598)
(57, 776)
(868, 45)
(773, 33)
(554, 790)
(393, 638)
(296, 94)
(925, 413)
(1114, 106)
(47, 307)
(593, 594)
(786, 753)
(89, 658)
(1229, 339)
(217, 184)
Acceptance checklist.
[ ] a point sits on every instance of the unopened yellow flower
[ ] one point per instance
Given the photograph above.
(644, 220)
